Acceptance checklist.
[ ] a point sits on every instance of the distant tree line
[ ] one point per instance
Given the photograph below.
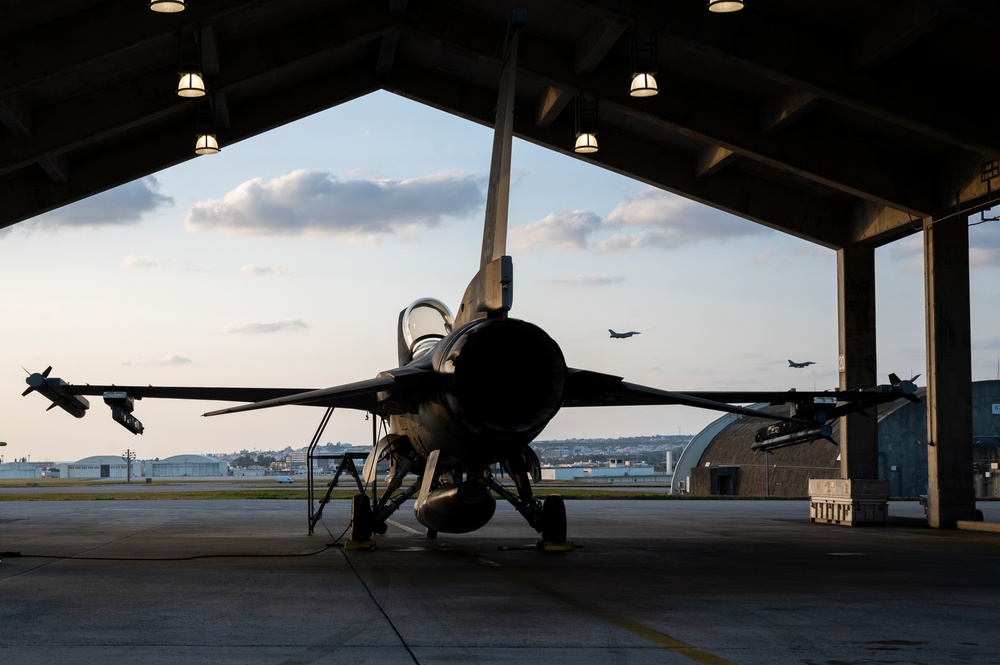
(246, 461)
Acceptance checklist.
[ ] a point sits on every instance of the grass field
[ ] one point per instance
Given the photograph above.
(79, 489)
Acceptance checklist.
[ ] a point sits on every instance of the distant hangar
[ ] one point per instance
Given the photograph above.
(113, 466)
(719, 460)
(186, 466)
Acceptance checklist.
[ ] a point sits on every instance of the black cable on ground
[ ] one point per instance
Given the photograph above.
(178, 558)
(380, 608)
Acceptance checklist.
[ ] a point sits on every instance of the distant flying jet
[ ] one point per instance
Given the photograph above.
(617, 335)
(472, 391)
(792, 363)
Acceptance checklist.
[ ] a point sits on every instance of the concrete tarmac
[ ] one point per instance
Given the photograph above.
(711, 582)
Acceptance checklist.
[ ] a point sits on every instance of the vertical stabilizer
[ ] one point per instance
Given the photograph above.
(490, 294)
(498, 194)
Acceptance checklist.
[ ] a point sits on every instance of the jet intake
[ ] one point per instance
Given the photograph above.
(508, 378)
(460, 508)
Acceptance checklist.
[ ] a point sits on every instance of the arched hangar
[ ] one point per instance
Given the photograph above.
(98, 466)
(18, 470)
(720, 460)
(186, 466)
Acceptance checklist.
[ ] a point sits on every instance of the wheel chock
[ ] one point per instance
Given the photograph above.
(549, 546)
(360, 545)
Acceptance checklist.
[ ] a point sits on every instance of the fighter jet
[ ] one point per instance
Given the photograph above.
(471, 391)
(792, 363)
(624, 335)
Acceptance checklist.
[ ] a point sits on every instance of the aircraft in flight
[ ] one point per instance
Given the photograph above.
(792, 363)
(624, 335)
(472, 390)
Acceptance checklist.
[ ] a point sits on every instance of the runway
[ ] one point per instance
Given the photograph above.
(693, 581)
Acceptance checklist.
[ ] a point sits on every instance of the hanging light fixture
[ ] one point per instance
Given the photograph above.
(206, 142)
(586, 126)
(191, 83)
(644, 65)
(167, 6)
(585, 143)
(725, 6)
(643, 85)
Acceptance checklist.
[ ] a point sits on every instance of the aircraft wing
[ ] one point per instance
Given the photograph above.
(586, 388)
(404, 384)
(360, 396)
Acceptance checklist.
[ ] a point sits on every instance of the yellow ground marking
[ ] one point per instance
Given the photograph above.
(658, 638)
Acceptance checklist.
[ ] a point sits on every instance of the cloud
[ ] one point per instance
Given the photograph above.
(984, 248)
(655, 218)
(989, 344)
(122, 205)
(132, 262)
(649, 218)
(984, 245)
(307, 202)
(262, 271)
(909, 252)
(264, 328)
(565, 229)
(164, 362)
(151, 263)
(587, 280)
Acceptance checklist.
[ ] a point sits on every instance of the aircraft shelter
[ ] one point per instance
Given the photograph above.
(182, 466)
(18, 470)
(100, 466)
(851, 124)
(720, 459)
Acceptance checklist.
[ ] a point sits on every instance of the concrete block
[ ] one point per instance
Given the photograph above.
(849, 502)
(835, 487)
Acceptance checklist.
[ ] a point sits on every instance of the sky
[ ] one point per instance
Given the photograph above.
(286, 259)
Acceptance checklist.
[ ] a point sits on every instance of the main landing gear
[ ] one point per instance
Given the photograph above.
(548, 516)
(368, 512)
(553, 520)
(368, 518)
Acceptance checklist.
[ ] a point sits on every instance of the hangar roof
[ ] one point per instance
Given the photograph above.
(844, 122)
(101, 459)
(188, 459)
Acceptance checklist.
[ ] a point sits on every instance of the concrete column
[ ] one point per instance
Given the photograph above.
(858, 370)
(951, 494)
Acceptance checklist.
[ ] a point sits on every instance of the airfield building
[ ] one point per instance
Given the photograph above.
(584, 473)
(719, 460)
(99, 466)
(180, 466)
(18, 470)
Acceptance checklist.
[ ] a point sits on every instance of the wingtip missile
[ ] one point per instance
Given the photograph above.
(55, 390)
(905, 387)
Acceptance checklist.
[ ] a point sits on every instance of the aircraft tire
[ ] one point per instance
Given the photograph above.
(432, 533)
(362, 522)
(554, 519)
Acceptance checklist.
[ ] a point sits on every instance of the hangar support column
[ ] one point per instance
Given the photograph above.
(950, 493)
(857, 361)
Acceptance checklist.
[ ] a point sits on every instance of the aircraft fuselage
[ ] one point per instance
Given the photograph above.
(500, 382)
